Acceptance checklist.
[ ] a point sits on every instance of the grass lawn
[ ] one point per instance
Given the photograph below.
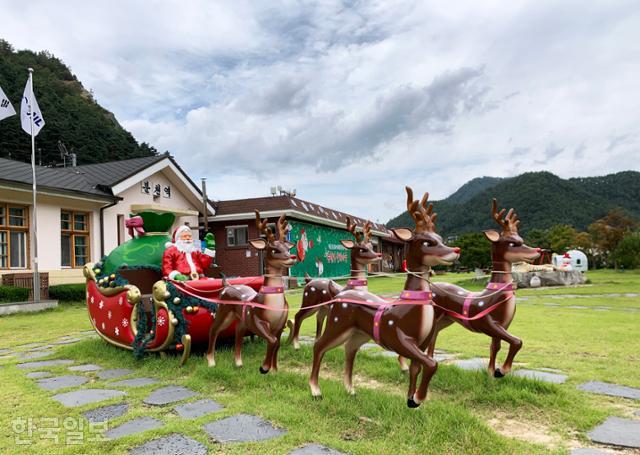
(467, 411)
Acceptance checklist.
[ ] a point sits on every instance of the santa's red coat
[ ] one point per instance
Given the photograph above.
(174, 259)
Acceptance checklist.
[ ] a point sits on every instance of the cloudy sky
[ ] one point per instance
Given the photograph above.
(349, 101)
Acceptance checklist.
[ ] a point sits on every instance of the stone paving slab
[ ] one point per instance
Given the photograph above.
(174, 444)
(550, 370)
(39, 374)
(86, 396)
(44, 363)
(134, 382)
(168, 395)
(615, 390)
(68, 341)
(637, 413)
(30, 355)
(315, 449)
(137, 425)
(587, 451)
(242, 428)
(60, 382)
(106, 412)
(544, 376)
(42, 348)
(197, 408)
(86, 367)
(5, 351)
(443, 357)
(471, 364)
(28, 345)
(617, 432)
(114, 373)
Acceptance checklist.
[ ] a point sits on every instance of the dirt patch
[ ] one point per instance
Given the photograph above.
(511, 427)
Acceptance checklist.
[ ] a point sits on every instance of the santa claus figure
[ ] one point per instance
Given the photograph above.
(182, 260)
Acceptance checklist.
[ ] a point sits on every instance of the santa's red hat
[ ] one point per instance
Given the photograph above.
(566, 255)
(176, 233)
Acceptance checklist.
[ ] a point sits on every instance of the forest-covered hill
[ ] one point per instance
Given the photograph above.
(69, 110)
(541, 200)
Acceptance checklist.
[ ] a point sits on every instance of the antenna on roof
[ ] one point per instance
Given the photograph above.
(64, 153)
(273, 191)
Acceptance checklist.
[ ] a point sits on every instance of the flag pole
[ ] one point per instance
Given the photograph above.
(36, 274)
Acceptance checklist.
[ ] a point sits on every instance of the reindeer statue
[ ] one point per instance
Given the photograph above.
(403, 326)
(322, 290)
(263, 313)
(492, 310)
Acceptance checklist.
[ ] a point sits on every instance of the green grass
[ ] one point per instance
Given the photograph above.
(585, 344)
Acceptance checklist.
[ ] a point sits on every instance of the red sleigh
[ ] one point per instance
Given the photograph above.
(171, 324)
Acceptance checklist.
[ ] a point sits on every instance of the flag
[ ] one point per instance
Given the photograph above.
(6, 108)
(30, 107)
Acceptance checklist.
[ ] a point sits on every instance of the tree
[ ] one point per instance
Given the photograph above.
(475, 250)
(539, 238)
(608, 232)
(627, 253)
(562, 237)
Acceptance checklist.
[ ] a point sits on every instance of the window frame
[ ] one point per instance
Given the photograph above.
(234, 228)
(72, 232)
(8, 228)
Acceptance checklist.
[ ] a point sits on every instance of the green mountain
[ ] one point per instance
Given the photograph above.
(473, 187)
(69, 110)
(541, 200)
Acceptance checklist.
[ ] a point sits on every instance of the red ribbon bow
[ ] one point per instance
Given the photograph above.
(134, 223)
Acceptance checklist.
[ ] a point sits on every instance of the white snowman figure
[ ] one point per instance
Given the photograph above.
(565, 264)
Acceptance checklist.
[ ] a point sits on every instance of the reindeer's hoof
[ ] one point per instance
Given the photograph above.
(411, 403)
(263, 371)
(498, 373)
(317, 397)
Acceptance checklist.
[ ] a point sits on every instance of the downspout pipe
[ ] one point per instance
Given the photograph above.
(102, 209)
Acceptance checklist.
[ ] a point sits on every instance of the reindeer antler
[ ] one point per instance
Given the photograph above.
(420, 212)
(510, 222)
(262, 227)
(367, 231)
(282, 228)
(352, 228)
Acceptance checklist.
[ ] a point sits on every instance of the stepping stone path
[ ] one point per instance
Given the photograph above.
(315, 449)
(44, 363)
(175, 444)
(34, 354)
(134, 426)
(69, 341)
(5, 351)
(587, 451)
(87, 367)
(197, 408)
(86, 396)
(29, 345)
(614, 390)
(105, 413)
(115, 373)
(168, 395)
(39, 374)
(617, 431)
(471, 364)
(135, 382)
(42, 348)
(242, 428)
(541, 376)
(60, 382)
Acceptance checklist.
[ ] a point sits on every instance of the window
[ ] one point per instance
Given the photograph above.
(14, 236)
(74, 243)
(237, 235)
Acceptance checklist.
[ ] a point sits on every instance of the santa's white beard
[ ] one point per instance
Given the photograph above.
(185, 247)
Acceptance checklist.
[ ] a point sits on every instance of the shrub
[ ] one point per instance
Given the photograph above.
(13, 294)
(68, 292)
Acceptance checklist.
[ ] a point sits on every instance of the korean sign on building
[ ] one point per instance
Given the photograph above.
(319, 251)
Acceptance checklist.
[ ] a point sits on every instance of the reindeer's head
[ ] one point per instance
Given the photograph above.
(508, 245)
(277, 252)
(425, 245)
(362, 252)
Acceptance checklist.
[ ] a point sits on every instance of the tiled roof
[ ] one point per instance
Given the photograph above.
(113, 172)
(282, 203)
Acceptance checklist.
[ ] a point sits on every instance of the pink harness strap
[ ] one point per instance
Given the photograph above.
(465, 309)
(415, 295)
(376, 322)
(271, 290)
(354, 282)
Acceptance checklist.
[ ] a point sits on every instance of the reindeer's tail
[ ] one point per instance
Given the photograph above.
(307, 278)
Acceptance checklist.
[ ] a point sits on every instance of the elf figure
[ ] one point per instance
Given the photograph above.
(182, 260)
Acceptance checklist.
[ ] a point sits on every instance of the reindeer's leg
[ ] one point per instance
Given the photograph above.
(319, 322)
(441, 324)
(301, 315)
(240, 331)
(493, 352)
(409, 348)
(224, 317)
(495, 330)
(350, 351)
(333, 336)
(274, 355)
(414, 370)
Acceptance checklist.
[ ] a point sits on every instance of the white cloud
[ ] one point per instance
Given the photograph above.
(350, 102)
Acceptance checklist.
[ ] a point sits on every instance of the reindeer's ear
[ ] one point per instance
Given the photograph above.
(348, 244)
(403, 234)
(289, 245)
(492, 235)
(258, 244)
